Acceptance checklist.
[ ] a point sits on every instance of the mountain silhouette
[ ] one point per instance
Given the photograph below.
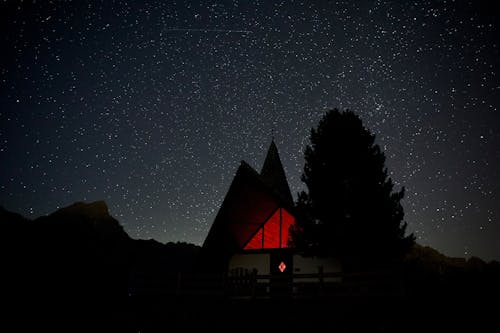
(73, 269)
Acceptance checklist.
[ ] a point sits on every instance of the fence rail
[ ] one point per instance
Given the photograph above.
(252, 285)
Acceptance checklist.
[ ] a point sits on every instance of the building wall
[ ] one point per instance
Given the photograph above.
(312, 265)
(248, 262)
(245, 263)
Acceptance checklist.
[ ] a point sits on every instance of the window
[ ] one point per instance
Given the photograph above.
(274, 233)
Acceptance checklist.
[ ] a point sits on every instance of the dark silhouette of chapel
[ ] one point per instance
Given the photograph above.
(255, 216)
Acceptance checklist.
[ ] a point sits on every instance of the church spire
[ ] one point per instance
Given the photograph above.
(273, 174)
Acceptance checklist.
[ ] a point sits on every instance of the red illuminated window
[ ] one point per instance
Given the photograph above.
(256, 241)
(274, 233)
(287, 220)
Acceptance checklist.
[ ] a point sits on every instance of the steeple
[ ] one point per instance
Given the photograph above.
(273, 175)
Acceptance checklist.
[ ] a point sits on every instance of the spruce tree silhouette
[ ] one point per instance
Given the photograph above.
(349, 209)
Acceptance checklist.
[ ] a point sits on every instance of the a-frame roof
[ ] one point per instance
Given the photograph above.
(252, 198)
(273, 174)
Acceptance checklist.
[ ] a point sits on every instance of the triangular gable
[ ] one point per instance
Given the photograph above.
(247, 205)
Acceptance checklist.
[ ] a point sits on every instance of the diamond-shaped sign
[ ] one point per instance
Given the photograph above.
(282, 267)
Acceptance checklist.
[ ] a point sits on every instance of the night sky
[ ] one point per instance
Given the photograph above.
(152, 106)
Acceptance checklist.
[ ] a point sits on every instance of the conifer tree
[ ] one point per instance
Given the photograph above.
(349, 209)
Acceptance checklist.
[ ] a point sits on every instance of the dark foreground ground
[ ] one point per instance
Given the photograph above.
(341, 314)
(215, 313)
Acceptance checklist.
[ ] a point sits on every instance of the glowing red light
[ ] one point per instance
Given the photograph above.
(282, 267)
(274, 233)
(256, 241)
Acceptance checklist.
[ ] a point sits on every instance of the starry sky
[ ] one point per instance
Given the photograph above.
(151, 105)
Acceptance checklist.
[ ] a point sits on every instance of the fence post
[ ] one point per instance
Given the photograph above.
(320, 277)
(254, 282)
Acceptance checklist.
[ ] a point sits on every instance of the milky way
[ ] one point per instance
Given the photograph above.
(151, 106)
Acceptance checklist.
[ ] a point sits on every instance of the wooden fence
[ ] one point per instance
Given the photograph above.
(252, 285)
